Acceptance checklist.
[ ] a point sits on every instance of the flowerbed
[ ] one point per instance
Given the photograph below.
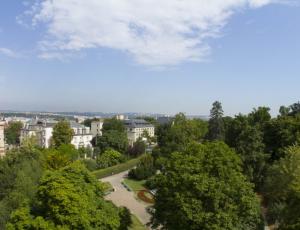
(145, 196)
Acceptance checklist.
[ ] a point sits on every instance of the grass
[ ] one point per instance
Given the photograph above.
(136, 224)
(135, 185)
(101, 173)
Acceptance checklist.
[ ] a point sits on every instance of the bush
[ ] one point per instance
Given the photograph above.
(101, 173)
(138, 148)
(144, 169)
(109, 158)
(90, 164)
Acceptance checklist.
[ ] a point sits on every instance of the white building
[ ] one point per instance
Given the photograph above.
(136, 128)
(82, 136)
(42, 130)
(2, 141)
(96, 127)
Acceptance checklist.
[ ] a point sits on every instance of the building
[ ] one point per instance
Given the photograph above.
(82, 136)
(2, 139)
(96, 127)
(42, 130)
(136, 128)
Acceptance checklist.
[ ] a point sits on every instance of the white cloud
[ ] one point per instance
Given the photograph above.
(8, 52)
(153, 32)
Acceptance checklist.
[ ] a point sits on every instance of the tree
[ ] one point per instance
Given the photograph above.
(260, 116)
(138, 148)
(144, 169)
(250, 147)
(20, 171)
(282, 190)
(12, 133)
(62, 133)
(60, 157)
(109, 158)
(203, 188)
(113, 124)
(178, 134)
(216, 125)
(112, 139)
(69, 198)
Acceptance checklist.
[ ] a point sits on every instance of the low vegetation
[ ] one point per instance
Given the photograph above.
(101, 173)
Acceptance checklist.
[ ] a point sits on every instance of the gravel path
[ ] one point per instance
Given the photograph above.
(122, 197)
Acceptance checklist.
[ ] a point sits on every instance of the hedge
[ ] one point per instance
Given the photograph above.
(101, 173)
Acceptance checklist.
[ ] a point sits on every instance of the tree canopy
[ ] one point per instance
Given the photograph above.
(68, 198)
(203, 188)
(12, 133)
(62, 133)
(216, 124)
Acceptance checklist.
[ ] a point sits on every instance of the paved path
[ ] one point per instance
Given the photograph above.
(122, 197)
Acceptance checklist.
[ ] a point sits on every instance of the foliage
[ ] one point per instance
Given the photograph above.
(12, 133)
(251, 149)
(282, 189)
(138, 148)
(62, 133)
(85, 152)
(178, 134)
(90, 164)
(101, 173)
(216, 125)
(125, 217)
(281, 133)
(109, 158)
(20, 171)
(69, 198)
(113, 124)
(112, 139)
(61, 156)
(144, 169)
(204, 188)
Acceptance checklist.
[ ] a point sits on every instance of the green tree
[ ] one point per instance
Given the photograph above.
(20, 171)
(204, 188)
(12, 133)
(113, 124)
(112, 139)
(250, 146)
(178, 134)
(144, 169)
(216, 124)
(137, 149)
(282, 190)
(109, 158)
(62, 133)
(68, 198)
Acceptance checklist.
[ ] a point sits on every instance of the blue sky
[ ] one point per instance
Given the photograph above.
(112, 56)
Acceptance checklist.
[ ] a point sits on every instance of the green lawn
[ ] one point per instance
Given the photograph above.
(136, 224)
(135, 185)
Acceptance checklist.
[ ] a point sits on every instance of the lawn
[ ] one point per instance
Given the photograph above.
(136, 224)
(135, 185)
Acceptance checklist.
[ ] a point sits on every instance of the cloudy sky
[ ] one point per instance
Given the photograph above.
(161, 56)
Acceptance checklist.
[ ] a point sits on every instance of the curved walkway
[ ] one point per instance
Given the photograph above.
(122, 197)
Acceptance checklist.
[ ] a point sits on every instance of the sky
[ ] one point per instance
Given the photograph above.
(149, 56)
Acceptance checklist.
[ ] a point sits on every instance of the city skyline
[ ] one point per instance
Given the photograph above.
(183, 61)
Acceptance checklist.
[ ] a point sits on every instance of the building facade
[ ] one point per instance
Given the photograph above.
(42, 130)
(2, 139)
(96, 127)
(136, 129)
